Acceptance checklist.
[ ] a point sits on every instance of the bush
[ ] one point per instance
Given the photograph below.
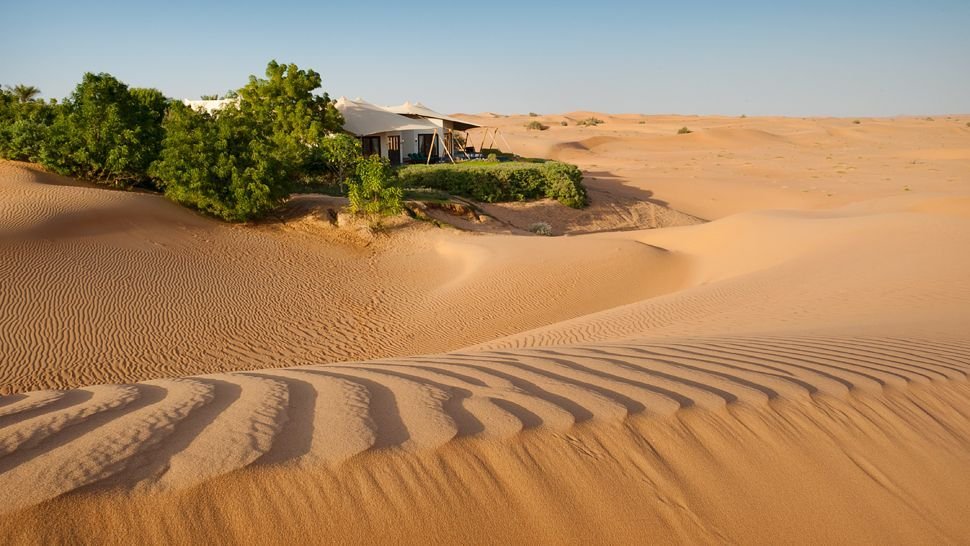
(372, 192)
(535, 126)
(533, 115)
(590, 122)
(241, 162)
(857, 122)
(106, 132)
(684, 131)
(24, 125)
(564, 123)
(541, 228)
(497, 182)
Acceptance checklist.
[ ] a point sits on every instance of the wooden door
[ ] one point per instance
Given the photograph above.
(394, 149)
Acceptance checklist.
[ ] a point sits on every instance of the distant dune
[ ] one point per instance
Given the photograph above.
(793, 371)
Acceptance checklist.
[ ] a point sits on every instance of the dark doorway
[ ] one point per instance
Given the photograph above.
(424, 146)
(370, 145)
(394, 149)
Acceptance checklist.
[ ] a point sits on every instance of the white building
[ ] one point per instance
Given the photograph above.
(399, 133)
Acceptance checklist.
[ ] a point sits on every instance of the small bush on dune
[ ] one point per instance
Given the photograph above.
(372, 191)
(856, 122)
(590, 122)
(536, 126)
(541, 228)
(564, 123)
(533, 115)
(684, 131)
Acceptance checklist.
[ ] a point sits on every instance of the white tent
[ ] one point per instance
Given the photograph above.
(209, 106)
(420, 110)
(363, 118)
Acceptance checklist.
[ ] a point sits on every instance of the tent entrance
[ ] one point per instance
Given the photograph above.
(394, 149)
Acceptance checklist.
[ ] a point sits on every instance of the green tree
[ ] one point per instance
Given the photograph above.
(106, 132)
(339, 156)
(241, 162)
(24, 123)
(372, 192)
(24, 93)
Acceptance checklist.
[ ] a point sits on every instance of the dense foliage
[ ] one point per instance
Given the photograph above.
(241, 162)
(494, 181)
(372, 190)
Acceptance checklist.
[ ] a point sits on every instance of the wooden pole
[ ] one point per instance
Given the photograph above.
(447, 151)
(434, 138)
(506, 142)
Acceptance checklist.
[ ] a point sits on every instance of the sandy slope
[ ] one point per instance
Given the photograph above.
(774, 376)
(102, 286)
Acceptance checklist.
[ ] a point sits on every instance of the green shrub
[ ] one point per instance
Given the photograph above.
(372, 192)
(241, 162)
(497, 182)
(684, 131)
(106, 132)
(564, 183)
(541, 228)
(564, 123)
(590, 122)
(533, 115)
(24, 124)
(535, 126)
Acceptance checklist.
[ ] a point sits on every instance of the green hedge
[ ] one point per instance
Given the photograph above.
(492, 182)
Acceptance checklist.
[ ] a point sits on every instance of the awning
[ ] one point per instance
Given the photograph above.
(363, 118)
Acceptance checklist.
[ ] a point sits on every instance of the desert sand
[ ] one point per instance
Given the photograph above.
(784, 360)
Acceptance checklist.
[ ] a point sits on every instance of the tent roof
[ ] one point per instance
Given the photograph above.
(363, 118)
(418, 109)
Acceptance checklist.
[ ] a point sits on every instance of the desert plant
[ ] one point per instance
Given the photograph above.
(106, 132)
(856, 122)
(641, 122)
(564, 123)
(541, 228)
(372, 192)
(743, 116)
(536, 126)
(590, 122)
(241, 162)
(24, 93)
(968, 124)
(684, 131)
(496, 182)
(533, 115)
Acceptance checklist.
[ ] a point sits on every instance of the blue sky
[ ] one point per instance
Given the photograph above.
(861, 58)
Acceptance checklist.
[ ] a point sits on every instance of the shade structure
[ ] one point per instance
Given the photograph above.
(363, 118)
(418, 109)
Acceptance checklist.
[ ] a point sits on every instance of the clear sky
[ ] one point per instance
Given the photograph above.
(841, 58)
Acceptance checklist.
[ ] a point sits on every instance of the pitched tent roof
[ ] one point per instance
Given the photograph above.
(209, 106)
(363, 118)
(418, 109)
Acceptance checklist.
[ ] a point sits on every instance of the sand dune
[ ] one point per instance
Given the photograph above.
(734, 439)
(102, 286)
(795, 371)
